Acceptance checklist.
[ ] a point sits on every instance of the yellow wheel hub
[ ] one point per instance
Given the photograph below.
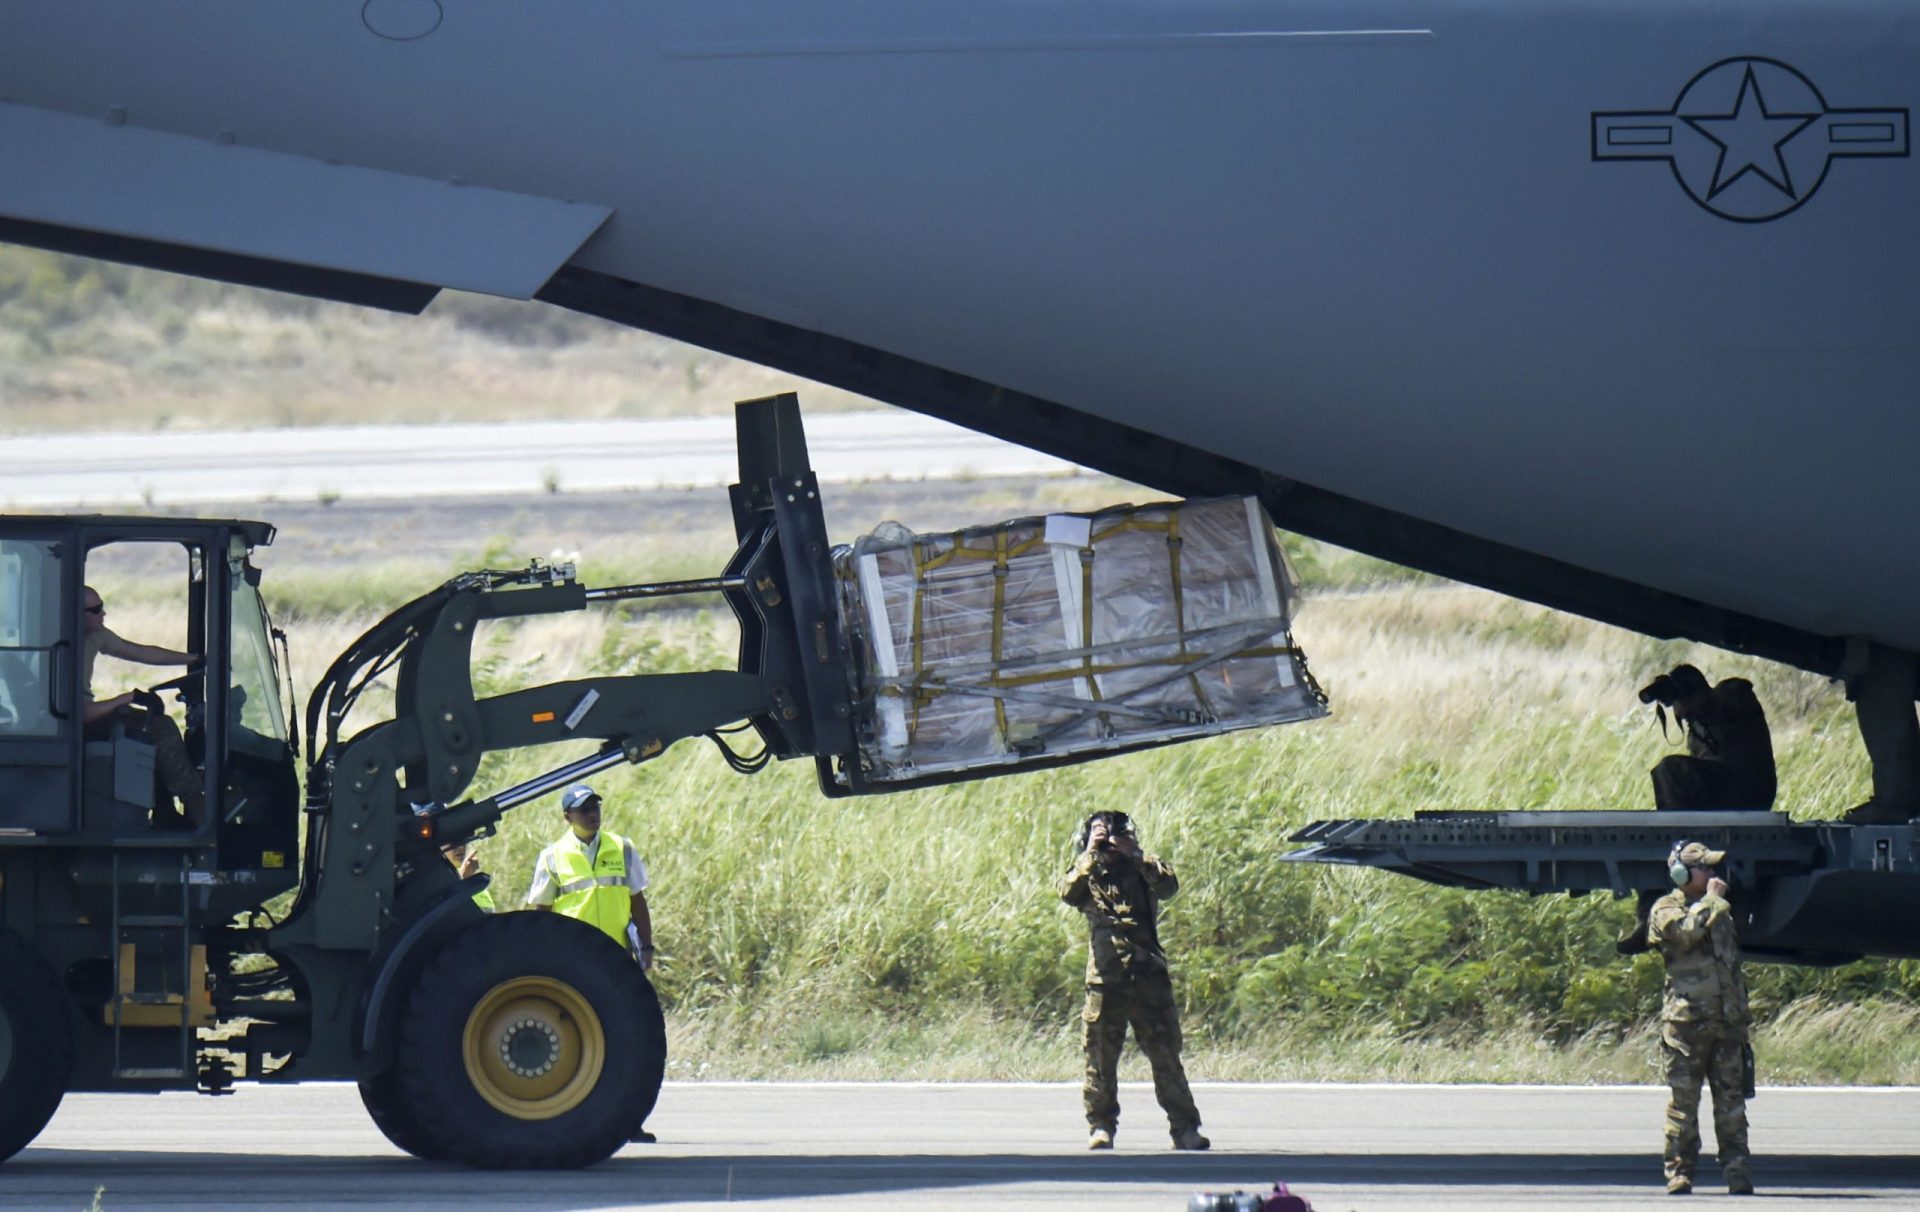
(534, 1047)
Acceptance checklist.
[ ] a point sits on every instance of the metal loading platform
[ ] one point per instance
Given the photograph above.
(1814, 892)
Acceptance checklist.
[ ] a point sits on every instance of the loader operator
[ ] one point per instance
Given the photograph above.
(1728, 763)
(1119, 889)
(596, 877)
(1703, 1019)
(143, 714)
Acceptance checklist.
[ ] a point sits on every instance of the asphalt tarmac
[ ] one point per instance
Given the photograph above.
(1002, 1146)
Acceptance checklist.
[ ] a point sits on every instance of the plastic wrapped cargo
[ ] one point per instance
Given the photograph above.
(1047, 637)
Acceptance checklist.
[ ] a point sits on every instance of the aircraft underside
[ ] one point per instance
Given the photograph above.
(1606, 305)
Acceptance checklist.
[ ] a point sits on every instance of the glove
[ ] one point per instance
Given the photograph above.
(148, 701)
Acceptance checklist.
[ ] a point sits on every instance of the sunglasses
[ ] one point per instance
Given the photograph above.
(96, 610)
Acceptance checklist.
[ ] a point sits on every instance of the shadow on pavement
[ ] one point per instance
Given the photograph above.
(42, 1175)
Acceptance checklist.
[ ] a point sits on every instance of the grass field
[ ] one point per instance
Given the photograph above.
(90, 345)
(918, 935)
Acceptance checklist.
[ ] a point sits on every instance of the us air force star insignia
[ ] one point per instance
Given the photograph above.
(1749, 139)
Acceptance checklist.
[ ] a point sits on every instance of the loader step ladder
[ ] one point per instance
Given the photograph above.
(131, 1006)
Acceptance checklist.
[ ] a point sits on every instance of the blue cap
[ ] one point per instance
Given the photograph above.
(577, 795)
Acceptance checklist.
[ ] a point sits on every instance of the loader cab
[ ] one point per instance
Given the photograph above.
(181, 585)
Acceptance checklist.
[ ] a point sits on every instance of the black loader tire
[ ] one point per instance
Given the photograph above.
(530, 1041)
(36, 1044)
(395, 1117)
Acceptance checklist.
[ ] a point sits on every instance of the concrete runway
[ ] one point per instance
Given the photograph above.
(857, 1145)
(122, 469)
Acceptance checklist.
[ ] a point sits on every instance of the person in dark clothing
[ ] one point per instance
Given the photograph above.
(1729, 758)
(1728, 764)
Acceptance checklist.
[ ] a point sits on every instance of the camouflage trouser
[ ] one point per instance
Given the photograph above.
(1693, 1052)
(1145, 1002)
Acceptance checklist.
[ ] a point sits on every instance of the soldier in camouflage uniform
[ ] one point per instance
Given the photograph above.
(1703, 1023)
(1120, 889)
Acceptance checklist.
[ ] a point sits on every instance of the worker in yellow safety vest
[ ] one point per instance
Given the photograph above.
(596, 877)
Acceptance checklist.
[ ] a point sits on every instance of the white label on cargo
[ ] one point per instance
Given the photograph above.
(1068, 529)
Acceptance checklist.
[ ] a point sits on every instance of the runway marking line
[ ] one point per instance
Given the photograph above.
(1228, 1085)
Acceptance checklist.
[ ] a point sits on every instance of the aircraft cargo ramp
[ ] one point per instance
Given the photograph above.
(1816, 892)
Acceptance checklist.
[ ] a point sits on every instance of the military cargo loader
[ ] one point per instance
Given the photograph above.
(138, 951)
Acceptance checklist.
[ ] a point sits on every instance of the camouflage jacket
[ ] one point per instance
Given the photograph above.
(1704, 983)
(1121, 898)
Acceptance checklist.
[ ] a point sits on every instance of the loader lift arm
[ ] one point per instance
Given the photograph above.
(379, 800)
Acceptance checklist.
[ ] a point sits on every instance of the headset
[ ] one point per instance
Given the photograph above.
(1678, 871)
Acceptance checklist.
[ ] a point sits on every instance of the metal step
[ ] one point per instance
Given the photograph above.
(174, 1011)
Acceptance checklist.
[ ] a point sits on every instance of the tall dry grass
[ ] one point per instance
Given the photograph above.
(919, 935)
(92, 345)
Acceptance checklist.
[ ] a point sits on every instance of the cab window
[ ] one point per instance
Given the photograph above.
(29, 633)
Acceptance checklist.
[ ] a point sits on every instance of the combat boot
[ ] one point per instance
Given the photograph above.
(1680, 1184)
(1100, 1138)
(1739, 1182)
(1190, 1138)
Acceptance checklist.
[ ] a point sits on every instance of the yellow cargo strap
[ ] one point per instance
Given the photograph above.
(999, 621)
(1176, 546)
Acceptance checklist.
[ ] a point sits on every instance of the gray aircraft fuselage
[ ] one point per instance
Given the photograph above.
(1615, 305)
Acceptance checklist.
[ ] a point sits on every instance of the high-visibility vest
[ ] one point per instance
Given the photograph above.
(595, 893)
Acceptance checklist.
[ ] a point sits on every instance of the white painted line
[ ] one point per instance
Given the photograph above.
(1611, 1088)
